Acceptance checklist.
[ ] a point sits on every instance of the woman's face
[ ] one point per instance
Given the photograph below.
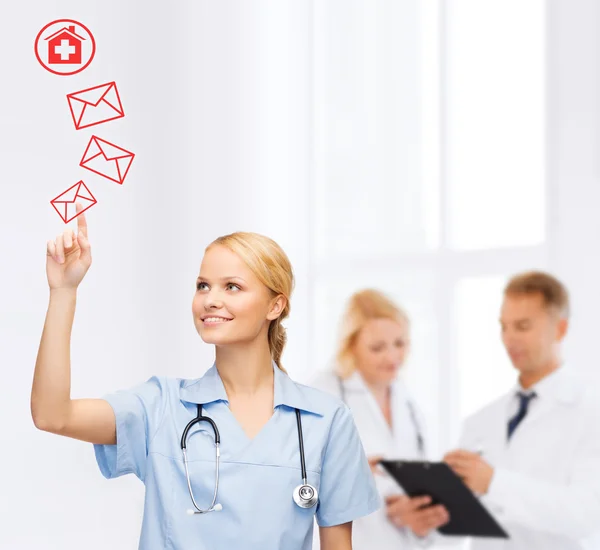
(380, 349)
(231, 306)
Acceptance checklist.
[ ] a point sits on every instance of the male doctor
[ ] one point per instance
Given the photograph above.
(534, 454)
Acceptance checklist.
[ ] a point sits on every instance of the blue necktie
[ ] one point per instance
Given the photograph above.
(524, 400)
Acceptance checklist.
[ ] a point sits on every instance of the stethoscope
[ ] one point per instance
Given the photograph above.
(304, 495)
(411, 410)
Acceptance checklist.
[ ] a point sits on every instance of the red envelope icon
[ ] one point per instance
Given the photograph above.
(95, 105)
(107, 160)
(64, 204)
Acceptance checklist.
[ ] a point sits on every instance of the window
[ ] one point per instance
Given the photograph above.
(483, 370)
(429, 181)
(367, 194)
(495, 123)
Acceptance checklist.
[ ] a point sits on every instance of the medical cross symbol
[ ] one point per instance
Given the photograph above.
(65, 49)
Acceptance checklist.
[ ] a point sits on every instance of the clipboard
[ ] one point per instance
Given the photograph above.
(468, 517)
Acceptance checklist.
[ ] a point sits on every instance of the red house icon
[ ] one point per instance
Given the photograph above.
(64, 46)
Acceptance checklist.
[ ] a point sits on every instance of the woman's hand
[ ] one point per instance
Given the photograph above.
(69, 256)
(373, 464)
(416, 514)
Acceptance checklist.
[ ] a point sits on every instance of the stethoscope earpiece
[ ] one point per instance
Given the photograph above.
(305, 496)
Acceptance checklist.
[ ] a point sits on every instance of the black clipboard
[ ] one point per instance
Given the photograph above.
(468, 517)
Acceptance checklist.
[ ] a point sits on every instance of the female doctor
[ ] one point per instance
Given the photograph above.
(373, 347)
(240, 457)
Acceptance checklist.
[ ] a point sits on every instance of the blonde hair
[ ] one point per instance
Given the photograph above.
(267, 260)
(554, 293)
(363, 306)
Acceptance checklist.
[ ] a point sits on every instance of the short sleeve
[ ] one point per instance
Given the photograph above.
(138, 412)
(347, 489)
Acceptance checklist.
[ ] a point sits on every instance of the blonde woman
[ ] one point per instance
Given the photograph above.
(374, 343)
(242, 457)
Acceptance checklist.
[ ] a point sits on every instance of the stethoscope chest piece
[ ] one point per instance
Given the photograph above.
(305, 496)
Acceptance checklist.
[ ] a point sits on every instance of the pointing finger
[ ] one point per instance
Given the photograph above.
(81, 221)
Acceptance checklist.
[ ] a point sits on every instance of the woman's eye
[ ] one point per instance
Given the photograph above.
(235, 287)
(200, 286)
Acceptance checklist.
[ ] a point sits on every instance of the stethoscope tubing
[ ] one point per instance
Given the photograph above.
(304, 495)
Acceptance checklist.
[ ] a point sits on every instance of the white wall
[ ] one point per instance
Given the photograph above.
(574, 168)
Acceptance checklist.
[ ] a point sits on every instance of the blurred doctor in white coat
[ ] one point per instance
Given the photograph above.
(534, 454)
(375, 339)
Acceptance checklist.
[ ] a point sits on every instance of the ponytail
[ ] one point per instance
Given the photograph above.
(278, 339)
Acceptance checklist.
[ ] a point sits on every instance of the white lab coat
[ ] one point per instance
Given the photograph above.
(376, 532)
(545, 490)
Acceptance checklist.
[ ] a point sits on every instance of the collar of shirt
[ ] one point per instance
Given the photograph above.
(356, 383)
(405, 431)
(209, 388)
(558, 386)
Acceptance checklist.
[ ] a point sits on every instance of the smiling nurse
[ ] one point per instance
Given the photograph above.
(242, 457)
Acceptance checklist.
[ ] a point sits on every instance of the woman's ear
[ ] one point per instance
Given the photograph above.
(277, 306)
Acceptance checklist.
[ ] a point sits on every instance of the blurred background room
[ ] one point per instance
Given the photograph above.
(426, 148)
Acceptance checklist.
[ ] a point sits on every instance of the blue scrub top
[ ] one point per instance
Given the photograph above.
(257, 476)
